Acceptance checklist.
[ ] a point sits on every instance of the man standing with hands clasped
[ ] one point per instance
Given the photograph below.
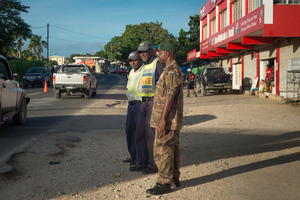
(144, 136)
(134, 102)
(167, 116)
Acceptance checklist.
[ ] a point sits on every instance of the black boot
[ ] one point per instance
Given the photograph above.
(159, 189)
(175, 183)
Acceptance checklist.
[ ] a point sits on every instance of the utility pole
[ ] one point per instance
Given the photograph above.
(110, 54)
(47, 46)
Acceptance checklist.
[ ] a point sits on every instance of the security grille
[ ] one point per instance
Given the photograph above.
(253, 4)
(237, 10)
(223, 19)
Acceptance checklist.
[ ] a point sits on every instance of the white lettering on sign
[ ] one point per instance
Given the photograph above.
(192, 55)
(202, 11)
(223, 36)
(248, 23)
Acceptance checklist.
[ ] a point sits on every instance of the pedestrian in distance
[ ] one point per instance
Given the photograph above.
(145, 134)
(167, 116)
(190, 77)
(134, 102)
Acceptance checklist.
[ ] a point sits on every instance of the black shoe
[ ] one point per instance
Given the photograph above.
(133, 163)
(188, 95)
(195, 95)
(129, 160)
(175, 183)
(134, 168)
(149, 171)
(159, 189)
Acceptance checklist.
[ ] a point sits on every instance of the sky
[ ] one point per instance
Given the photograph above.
(77, 26)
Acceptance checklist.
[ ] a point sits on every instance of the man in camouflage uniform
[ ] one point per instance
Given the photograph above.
(167, 115)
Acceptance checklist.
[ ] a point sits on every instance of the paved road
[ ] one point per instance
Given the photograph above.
(44, 113)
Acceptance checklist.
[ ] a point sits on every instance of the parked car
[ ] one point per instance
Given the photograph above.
(213, 78)
(13, 100)
(111, 71)
(120, 71)
(37, 76)
(75, 78)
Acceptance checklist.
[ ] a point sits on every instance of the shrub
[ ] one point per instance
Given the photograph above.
(21, 66)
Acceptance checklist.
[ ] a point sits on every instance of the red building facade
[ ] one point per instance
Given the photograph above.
(246, 35)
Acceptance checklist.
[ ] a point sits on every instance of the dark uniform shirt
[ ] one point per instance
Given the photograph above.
(170, 82)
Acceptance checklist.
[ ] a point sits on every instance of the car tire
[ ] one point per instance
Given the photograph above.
(88, 93)
(57, 95)
(20, 117)
(198, 89)
(203, 91)
(95, 92)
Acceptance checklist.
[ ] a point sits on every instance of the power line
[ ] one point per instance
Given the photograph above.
(39, 27)
(74, 41)
(79, 33)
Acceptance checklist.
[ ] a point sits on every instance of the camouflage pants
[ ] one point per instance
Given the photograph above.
(167, 156)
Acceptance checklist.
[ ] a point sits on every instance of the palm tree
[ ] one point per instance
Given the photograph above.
(36, 44)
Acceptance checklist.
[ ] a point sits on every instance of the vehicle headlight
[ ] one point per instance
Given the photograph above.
(24, 77)
(39, 77)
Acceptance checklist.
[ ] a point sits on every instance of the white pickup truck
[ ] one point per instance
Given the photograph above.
(75, 78)
(13, 100)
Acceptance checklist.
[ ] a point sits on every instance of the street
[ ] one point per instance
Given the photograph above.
(44, 113)
(232, 147)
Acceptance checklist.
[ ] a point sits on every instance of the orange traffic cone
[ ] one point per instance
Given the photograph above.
(46, 87)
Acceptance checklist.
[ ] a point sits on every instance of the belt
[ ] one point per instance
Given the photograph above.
(134, 102)
(146, 99)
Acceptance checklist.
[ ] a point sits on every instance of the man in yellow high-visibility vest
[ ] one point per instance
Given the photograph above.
(134, 101)
(144, 136)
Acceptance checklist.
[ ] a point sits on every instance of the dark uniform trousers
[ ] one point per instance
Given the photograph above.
(144, 136)
(167, 156)
(130, 126)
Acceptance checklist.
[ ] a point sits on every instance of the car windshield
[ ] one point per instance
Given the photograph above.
(214, 71)
(35, 70)
(73, 69)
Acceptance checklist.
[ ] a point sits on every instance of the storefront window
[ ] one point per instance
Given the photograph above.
(237, 10)
(253, 4)
(213, 26)
(286, 1)
(204, 32)
(223, 21)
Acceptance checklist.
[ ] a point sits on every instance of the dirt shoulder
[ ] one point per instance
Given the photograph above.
(232, 147)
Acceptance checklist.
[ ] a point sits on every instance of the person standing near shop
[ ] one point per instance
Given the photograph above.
(167, 116)
(268, 77)
(134, 102)
(190, 77)
(145, 134)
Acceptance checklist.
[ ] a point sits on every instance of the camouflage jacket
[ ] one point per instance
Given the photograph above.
(170, 81)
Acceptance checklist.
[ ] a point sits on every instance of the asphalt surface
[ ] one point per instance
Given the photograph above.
(44, 112)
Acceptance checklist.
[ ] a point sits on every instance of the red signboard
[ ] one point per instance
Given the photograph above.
(191, 55)
(246, 25)
(208, 7)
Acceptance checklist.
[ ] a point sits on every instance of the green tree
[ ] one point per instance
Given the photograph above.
(11, 24)
(36, 44)
(27, 55)
(134, 35)
(71, 60)
(114, 48)
(101, 54)
(189, 40)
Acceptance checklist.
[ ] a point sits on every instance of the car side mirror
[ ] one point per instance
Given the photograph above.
(16, 76)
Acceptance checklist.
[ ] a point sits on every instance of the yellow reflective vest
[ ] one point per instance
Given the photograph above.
(133, 85)
(148, 79)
